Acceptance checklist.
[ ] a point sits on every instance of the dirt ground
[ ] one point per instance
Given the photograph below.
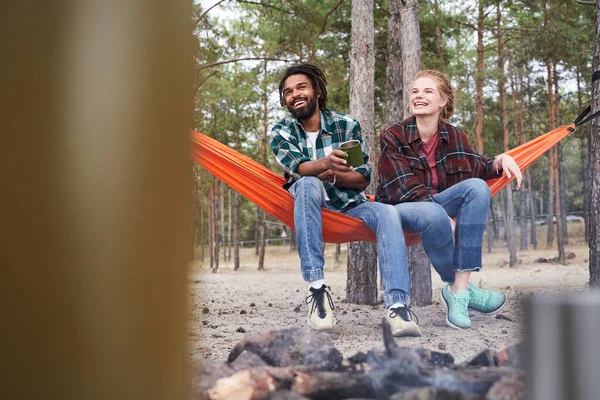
(227, 305)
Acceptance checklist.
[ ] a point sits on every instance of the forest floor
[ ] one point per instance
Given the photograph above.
(228, 305)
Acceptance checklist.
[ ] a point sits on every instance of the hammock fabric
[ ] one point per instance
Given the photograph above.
(264, 187)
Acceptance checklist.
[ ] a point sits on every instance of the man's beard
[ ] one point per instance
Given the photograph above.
(305, 112)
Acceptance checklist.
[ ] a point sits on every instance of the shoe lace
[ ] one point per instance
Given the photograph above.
(463, 304)
(404, 313)
(317, 300)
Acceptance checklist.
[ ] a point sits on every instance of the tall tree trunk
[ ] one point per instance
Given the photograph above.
(530, 173)
(410, 44)
(509, 215)
(263, 149)
(213, 228)
(229, 227)
(438, 34)
(262, 239)
(479, 81)
(561, 209)
(595, 168)
(236, 231)
(394, 109)
(201, 201)
(584, 141)
(293, 244)
(361, 283)
(517, 125)
(223, 240)
(552, 159)
(257, 223)
(338, 252)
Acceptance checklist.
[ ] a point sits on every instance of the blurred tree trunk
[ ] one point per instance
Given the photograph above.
(213, 243)
(262, 228)
(595, 168)
(361, 283)
(584, 140)
(530, 173)
(292, 236)
(438, 34)
(200, 203)
(236, 231)
(338, 252)
(561, 198)
(509, 209)
(552, 153)
(222, 204)
(479, 80)
(519, 134)
(229, 227)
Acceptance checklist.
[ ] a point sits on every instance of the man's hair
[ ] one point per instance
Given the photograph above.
(319, 83)
(444, 87)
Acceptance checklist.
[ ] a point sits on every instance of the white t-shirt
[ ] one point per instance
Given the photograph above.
(312, 137)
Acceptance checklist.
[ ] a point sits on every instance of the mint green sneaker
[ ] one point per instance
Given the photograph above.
(485, 301)
(456, 306)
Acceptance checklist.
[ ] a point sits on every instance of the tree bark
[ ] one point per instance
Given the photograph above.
(509, 210)
(410, 44)
(479, 81)
(585, 173)
(595, 168)
(361, 284)
(394, 109)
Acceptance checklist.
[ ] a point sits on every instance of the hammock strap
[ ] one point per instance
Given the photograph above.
(580, 119)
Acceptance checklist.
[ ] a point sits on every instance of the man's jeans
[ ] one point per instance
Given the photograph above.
(383, 219)
(468, 202)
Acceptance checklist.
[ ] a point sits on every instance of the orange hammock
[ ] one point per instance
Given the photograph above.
(264, 187)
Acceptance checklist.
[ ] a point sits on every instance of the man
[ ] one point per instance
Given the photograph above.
(306, 144)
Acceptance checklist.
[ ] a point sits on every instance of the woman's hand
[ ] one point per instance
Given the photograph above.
(510, 167)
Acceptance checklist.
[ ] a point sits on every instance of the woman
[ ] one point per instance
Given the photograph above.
(431, 174)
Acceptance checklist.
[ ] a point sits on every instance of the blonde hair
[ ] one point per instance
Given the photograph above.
(443, 85)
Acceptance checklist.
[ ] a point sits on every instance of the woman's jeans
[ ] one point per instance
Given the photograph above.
(468, 202)
(383, 219)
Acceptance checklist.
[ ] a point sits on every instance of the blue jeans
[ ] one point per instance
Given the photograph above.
(383, 219)
(468, 202)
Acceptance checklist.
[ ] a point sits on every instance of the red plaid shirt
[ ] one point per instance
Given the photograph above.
(404, 174)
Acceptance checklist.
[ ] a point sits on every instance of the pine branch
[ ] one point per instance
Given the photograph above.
(591, 3)
(335, 7)
(266, 5)
(241, 59)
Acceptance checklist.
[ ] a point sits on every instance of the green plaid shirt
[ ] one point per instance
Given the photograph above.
(291, 146)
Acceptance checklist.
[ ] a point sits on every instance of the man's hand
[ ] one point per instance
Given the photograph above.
(510, 167)
(327, 176)
(336, 161)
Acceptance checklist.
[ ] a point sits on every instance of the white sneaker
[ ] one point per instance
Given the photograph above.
(320, 309)
(401, 321)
